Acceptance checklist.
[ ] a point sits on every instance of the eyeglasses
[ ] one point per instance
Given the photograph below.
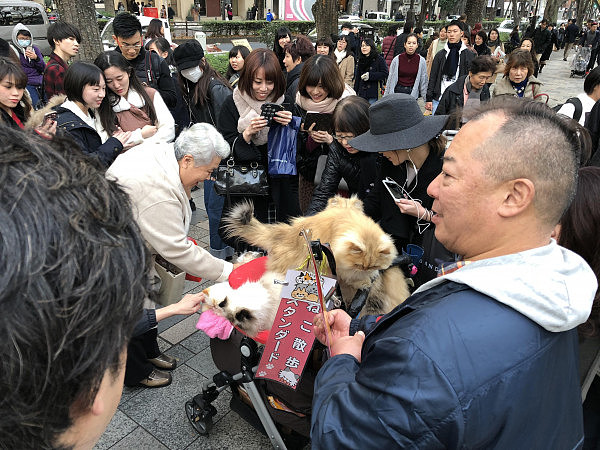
(340, 138)
(127, 46)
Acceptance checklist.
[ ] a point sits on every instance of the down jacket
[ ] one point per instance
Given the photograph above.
(486, 358)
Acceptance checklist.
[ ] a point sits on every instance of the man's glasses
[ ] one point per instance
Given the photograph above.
(127, 46)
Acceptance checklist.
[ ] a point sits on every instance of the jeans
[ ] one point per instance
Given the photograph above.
(33, 93)
(435, 104)
(214, 209)
(403, 89)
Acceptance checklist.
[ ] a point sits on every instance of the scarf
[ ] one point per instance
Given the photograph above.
(249, 109)
(520, 87)
(481, 49)
(339, 55)
(493, 44)
(452, 58)
(325, 106)
(472, 99)
(364, 62)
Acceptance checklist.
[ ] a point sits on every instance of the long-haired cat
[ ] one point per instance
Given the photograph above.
(362, 250)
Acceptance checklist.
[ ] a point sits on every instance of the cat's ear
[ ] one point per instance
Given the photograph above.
(223, 304)
(355, 202)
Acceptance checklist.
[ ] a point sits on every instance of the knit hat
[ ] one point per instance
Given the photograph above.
(188, 55)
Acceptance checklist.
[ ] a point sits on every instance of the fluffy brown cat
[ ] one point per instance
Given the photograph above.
(361, 249)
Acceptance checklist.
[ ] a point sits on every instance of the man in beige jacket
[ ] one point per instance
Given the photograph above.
(159, 179)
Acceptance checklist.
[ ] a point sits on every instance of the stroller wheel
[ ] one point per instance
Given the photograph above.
(201, 418)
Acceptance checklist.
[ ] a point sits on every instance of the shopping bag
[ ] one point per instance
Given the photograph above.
(282, 143)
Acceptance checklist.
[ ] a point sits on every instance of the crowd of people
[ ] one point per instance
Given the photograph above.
(101, 157)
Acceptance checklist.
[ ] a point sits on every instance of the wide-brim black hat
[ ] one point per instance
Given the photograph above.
(397, 123)
(188, 55)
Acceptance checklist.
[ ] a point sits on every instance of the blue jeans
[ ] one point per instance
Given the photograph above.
(33, 93)
(214, 209)
(435, 104)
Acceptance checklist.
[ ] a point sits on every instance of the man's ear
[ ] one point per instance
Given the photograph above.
(98, 405)
(518, 196)
(115, 39)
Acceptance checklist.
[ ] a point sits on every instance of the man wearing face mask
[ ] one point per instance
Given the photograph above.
(32, 60)
(149, 67)
(353, 41)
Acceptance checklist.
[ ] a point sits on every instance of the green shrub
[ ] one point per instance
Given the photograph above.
(219, 62)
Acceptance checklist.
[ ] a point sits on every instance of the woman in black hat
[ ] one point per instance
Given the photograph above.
(204, 92)
(411, 146)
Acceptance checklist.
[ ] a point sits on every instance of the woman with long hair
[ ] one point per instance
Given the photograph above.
(356, 169)
(282, 37)
(497, 51)
(131, 106)
(480, 44)
(237, 55)
(320, 88)
(345, 60)
(528, 44)
(324, 46)
(242, 125)
(371, 70)
(205, 92)
(15, 107)
(408, 71)
(155, 30)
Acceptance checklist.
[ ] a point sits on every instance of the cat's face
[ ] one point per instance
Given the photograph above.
(232, 304)
(364, 251)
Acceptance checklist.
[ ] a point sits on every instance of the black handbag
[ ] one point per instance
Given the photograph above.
(246, 180)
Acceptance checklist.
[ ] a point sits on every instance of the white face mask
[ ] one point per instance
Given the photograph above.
(193, 74)
(345, 32)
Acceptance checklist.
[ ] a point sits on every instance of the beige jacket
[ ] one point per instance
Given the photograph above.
(149, 173)
(347, 70)
(533, 89)
(431, 54)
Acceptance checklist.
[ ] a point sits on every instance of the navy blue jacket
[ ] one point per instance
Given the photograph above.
(452, 368)
(378, 72)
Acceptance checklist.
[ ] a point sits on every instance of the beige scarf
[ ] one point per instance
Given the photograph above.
(325, 106)
(249, 109)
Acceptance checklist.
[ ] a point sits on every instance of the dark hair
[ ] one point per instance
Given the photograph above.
(107, 115)
(79, 272)
(24, 32)
(265, 59)
(483, 35)
(351, 115)
(483, 63)
(462, 17)
(456, 23)
(579, 227)
(197, 93)
(321, 69)
(412, 35)
(242, 50)
(300, 47)
(392, 30)
(591, 81)
(346, 25)
(162, 45)
(519, 57)
(78, 76)
(325, 42)
(126, 25)
(418, 30)
(62, 30)
(408, 26)
(371, 44)
(531, 51)
(281, 32)
(489, 34)
(153, 30)
(10, 68)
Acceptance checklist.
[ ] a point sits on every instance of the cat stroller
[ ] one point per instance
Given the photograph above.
(580, 62)
(281, 413)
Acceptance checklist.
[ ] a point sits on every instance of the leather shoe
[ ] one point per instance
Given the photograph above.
(163, 361)
(157, 378)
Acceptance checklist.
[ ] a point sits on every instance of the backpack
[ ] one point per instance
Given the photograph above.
(578, 107)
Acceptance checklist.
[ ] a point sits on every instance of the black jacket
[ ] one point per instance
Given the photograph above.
(9, 121)
(86, 137)
(453, 97)
(292, 81)
(358, 170)
(307, 156)
(154, 71)
(380, 206)
(210, 111)
(592, 123)
(434, 89)
(571, 33)
(541, 39)
(378, 72)
(593, 42)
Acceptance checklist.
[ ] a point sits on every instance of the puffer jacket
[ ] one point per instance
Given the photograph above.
(358, 171)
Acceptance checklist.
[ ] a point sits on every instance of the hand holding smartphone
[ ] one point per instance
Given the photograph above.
(323, 122)
(268, 110)
(49, 117)
(395, 190)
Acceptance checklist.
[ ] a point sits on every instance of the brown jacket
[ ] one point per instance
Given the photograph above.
(533, 89)
(347, 70)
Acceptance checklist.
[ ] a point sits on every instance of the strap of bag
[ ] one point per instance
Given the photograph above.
(392, 45)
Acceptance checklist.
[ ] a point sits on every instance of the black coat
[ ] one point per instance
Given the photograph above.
(358, 170)
(378, 72)
(541, 39)
(380, 206)
(453, 97)
(210, 111)
(9, 121)
(307, 155)
(292, 81)
(86, 137)
(434, 88)
(571, 33)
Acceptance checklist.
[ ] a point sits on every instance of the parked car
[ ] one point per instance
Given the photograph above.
(378, 16)
(506, 26)
(349, 18)
(452, 17)
(30, 14)
(107, 32)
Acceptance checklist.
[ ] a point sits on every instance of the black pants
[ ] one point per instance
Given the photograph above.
(593, 59)
(139, 350)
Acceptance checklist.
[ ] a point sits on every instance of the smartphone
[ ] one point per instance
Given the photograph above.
(323, 122)
(30, 48)
(49, 117)
(268, 110)
(394, 189)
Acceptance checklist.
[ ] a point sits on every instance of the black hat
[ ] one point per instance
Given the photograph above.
(397, 123)
(188, 54)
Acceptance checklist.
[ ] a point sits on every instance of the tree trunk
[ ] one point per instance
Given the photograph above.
(582, 7)
(82, 14)
(421, 17)
(109, 6)
(515, 13)
(474, 11)
(326, 17)
(551, 10)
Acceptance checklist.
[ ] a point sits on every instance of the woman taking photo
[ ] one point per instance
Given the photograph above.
(408, 72)
(370, 71)
(237, 55)
(518, 80)
(319, 90)
(130, 106)
(481, 44)
(356, 169)
(242, 125)
(345, 60)
(205, 92)
(86, 89)
(282, 37)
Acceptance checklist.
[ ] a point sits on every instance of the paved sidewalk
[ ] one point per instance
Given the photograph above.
(155, 418)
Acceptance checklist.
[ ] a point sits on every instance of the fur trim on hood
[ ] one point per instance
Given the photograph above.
(37, 117)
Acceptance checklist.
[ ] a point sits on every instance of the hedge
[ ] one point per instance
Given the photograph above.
(218, 62)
